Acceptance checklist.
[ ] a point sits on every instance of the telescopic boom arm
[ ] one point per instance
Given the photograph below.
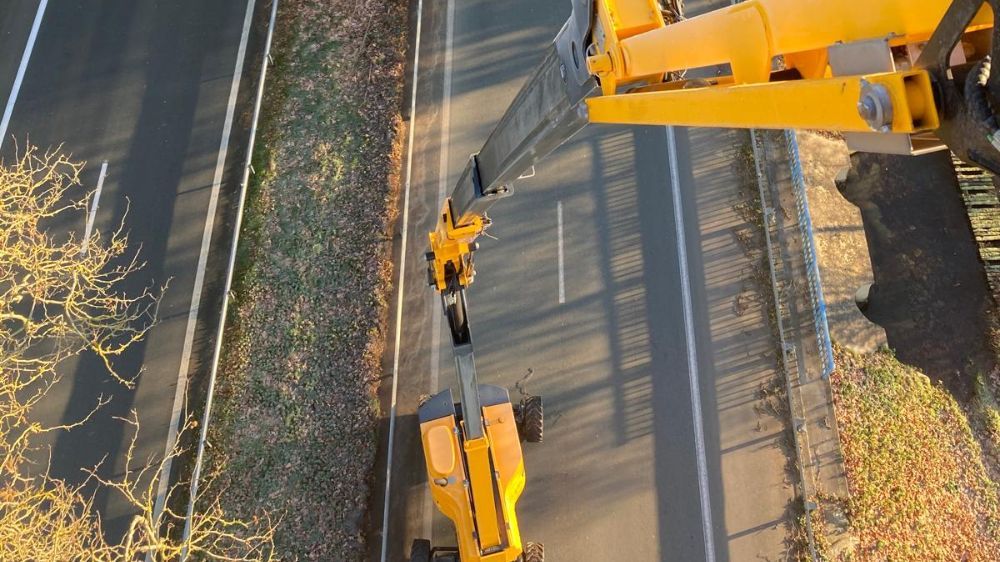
(890, 74)
(896, 76)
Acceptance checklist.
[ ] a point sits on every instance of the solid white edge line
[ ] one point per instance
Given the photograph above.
(402, 277)
(93, 208)
(443, 164)
(230, 269)
(562, 277)
(699, 432)
(443, 177)
(199, 279)
(21, 69)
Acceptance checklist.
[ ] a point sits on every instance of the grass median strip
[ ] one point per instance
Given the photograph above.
(295, 422)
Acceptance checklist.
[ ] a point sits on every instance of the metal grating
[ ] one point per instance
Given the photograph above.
(982, 205)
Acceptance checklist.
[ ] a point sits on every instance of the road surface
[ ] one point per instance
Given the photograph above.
(145, 87)
(617, 288)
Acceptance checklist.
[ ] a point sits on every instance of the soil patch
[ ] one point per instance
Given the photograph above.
(930, 291)
(839, 235)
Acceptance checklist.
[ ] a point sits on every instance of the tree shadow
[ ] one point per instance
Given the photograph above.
(127, 83)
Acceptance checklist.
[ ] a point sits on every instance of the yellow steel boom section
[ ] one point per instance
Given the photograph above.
(452, 248)
(748, 35)
(781, 105)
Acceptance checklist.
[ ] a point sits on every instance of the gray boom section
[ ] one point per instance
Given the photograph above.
(465, 364)
(547, 112)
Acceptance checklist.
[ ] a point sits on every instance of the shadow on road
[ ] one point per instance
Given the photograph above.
(168, 63)
(931, 295)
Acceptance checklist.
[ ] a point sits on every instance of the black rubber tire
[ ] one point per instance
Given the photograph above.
(533, 552)
(533, 419)
(455, 314)
(420, 551)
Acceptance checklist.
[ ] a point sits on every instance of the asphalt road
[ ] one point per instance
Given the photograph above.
(146, 87)
(624, 473)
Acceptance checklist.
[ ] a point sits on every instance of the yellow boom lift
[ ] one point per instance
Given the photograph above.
(895, 76)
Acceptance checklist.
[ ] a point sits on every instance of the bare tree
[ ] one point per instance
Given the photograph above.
(61, 295)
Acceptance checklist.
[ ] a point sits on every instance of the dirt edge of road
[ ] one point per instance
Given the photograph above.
(294, 424)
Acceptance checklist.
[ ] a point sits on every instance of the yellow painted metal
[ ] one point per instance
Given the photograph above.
(448, 488)
(748, 35)
(810, 64)
(477, 456)
(446, 461)
(617, 20)
(440, 452)
(632, 17)
(829, 104)
(509, 464)
(452, 246)
(634, 46)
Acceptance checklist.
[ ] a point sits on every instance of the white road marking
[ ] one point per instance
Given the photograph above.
(402, 277)
(230, 268)
(562, 277)
(199, 279)
(19, 77)
(93, 208)
(443, 177)
(443, 146)
(692, 357)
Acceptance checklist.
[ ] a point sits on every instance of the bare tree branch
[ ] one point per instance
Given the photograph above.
(62, 296)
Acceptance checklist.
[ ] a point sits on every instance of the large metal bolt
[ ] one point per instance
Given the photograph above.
(875, 106)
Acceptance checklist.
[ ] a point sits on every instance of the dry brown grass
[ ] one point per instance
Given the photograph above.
(919, 488)
(295, 421)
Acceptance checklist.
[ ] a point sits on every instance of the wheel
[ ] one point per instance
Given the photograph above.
(532, 419)
(420, 551)
(455, 314)
(533, 552)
